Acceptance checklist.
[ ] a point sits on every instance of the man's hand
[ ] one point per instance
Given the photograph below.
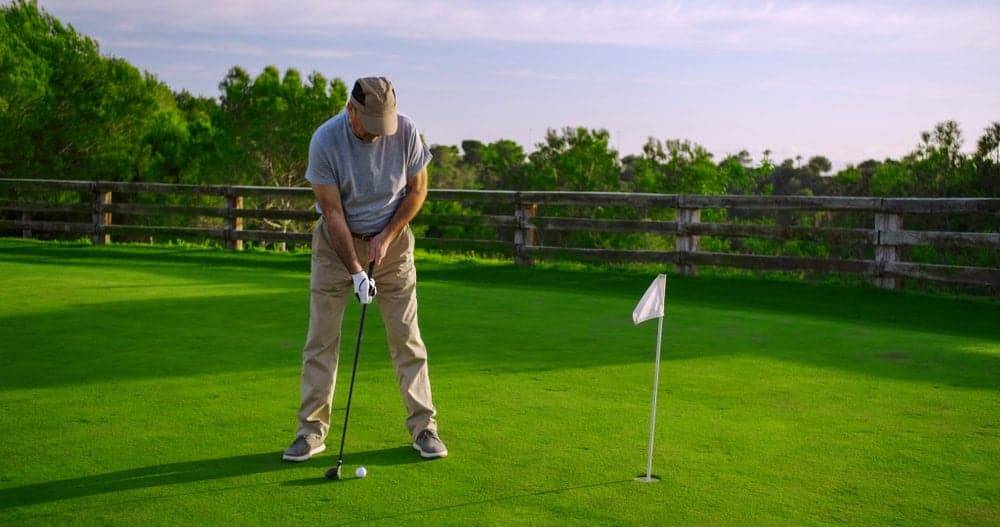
(364, 287)
(377, 246)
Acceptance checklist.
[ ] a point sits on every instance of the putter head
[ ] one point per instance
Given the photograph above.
(334, 473)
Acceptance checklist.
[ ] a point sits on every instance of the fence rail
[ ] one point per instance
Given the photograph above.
(886, 236)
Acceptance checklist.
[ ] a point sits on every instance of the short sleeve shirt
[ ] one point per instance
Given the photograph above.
(371, 177)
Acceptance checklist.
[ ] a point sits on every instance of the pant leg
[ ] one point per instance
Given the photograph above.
(329, 291)
(396, 280)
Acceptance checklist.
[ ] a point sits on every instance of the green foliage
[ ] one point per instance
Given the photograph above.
(575, 159)
(266, 122)
(447, 169)
(66, 111)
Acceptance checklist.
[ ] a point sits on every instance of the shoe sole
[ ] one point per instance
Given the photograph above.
(311, 453)
(429, 455)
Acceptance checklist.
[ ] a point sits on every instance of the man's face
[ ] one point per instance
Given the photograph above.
(357, 127)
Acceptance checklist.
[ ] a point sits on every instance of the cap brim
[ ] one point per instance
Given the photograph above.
(379, 124)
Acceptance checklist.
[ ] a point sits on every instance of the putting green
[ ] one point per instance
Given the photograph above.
(158, 386)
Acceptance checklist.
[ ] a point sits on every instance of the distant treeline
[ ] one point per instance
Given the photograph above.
(68, 112)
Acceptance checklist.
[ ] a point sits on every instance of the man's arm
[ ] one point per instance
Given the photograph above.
(328, 197)
(416, 193)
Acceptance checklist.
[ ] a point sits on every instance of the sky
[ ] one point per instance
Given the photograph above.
(848, 80)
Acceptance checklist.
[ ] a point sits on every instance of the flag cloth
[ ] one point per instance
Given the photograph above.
(652, 301)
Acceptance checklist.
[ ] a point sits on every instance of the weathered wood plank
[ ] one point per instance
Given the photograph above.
(886, 252)
(687, 243)
(271, 236)
(47, 208)
(795, 232)
(46, 184)
(780, 263)
(234, 221)
(603, 255)
(964, 239)
(101, 219)
(157, 230)
(212, 212)
(605, 199)
(781, 202)
(272, 192)
(496, 196)
(525, 234)
(49, 226)
(460, 219)
(945, 273)
(603, 225)
(26, 218)
(158, 188)
(940, 205)
(494, 246)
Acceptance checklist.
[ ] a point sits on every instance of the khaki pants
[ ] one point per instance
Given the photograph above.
(331, 290)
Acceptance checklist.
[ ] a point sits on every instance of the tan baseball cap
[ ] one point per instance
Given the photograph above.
(374, 98)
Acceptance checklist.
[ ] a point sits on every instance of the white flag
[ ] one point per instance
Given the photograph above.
(651, 303)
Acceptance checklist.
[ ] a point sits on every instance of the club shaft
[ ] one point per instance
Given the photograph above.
(354, 371)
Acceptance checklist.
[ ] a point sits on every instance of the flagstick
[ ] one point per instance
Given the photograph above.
(652, 413)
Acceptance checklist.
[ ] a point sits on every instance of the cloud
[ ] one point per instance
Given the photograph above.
(227, 48)
(805, 26)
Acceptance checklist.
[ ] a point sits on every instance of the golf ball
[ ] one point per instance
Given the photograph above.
(361, 472)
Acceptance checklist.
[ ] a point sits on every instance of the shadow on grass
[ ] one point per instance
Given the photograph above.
(956, 316)
(500, 320)
(184, 472)
(973, 317)
(401, 455)
(445, 508)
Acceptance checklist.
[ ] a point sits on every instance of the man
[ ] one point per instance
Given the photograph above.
(367, 167)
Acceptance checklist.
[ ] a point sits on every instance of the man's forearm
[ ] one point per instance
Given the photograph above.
(406, 211)
(340, 236)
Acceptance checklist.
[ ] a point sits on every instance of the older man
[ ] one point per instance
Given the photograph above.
(367, 167)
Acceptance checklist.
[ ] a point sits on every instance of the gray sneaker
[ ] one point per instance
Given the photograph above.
(304, 447)
(430, 445)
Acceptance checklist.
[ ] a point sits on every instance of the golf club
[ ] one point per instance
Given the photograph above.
(334, 473)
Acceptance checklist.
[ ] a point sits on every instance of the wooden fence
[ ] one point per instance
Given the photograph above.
(887, 235)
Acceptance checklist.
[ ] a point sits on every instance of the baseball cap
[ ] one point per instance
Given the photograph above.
(374, 98)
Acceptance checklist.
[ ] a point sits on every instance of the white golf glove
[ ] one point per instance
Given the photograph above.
(364, 287)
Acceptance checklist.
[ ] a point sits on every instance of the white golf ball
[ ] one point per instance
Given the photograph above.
(361, 472)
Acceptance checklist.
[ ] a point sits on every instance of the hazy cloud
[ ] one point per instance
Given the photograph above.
(760, 25)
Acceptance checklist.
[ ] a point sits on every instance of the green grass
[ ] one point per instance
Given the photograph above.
(158, 385)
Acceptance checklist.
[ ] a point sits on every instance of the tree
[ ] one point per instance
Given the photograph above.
(66, 111)
(446, 169)
(819, 165)
(265, 125)
(677, 166)
(939, 168)
(472, 152)
(502, 165)
(574, 159)
(989, 143)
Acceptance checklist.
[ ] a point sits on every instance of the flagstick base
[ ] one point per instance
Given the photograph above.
(643, 479)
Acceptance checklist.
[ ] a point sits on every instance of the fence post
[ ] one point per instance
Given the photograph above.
(885, 253)
(524, 236)
(26, 218)
(686, 243)
(233, 223)
(101, 217)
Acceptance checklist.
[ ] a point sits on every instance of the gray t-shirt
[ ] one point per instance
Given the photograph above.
(371, 177)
